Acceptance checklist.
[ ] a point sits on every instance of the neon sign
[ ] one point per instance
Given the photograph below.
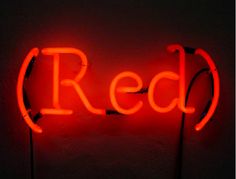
(74, 83)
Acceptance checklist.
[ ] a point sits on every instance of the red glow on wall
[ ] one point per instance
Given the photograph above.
(115, 88)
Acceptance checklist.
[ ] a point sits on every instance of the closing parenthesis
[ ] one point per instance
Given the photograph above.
(19, 90)
(216, 93)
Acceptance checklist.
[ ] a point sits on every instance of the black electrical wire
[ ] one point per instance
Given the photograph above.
(181, 135)
(31, 154)
(31, 144)
(35, 118)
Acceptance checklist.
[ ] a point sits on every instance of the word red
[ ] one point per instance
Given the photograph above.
(74, 83)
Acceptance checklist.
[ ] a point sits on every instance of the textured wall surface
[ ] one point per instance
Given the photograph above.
(116, 36)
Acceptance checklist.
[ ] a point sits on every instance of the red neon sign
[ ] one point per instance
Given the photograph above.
(74, 83)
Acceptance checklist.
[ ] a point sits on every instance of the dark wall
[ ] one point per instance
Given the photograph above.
(116, 36)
